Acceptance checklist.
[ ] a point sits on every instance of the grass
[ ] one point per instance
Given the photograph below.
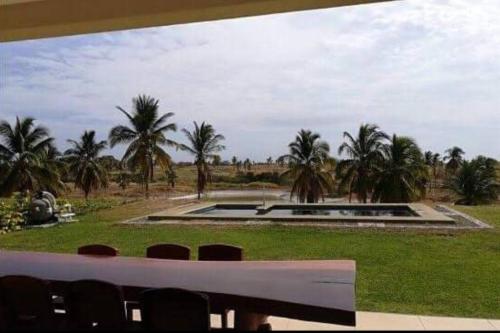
(453, 274)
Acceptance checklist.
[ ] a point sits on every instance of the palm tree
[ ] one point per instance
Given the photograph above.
(435, 164)
(365, 153)
(27, 155)
(476, 181)
(309, 167)
(403, 174)
(247, 164)
(428, 157)
(171, 177)
(83, 158)
(144, 137)
(432, 162)
(234, 162)
(269, 160)
(204, 143)
(454, 156)
(216, 160)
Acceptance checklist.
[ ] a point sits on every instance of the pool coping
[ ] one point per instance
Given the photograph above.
(427, 215)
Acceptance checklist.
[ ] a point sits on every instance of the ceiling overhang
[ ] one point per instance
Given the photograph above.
(31, 19)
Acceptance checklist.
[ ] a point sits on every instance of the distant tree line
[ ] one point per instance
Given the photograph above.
(375, 167)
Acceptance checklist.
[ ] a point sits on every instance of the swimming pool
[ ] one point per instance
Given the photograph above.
(304, 210)
(322, 213)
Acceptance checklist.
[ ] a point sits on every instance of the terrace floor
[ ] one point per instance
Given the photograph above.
(384, 321)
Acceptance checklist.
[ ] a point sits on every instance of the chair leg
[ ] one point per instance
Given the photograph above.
(265, 327)
(130, 311)
(249, 321)
(224, 319)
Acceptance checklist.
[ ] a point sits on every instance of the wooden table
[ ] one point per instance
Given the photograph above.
(321, 291)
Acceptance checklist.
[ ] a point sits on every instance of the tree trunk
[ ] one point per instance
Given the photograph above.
(199, 182)
(151, 168)
(146, 185)
(350, 191)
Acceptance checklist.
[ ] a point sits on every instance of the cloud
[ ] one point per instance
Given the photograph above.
(429, 69)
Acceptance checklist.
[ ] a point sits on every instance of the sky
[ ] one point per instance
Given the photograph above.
(429, 69)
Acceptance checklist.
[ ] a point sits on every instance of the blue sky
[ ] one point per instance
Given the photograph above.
(429, 69)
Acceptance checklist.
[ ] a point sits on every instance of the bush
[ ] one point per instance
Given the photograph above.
(249, 177)
(12, 213)
(82, 206)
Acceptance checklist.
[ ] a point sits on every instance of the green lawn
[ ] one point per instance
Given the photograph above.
(405, 272)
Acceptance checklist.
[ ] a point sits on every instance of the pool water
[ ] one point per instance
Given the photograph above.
(399, 211)
(307, 210)
(228, 210)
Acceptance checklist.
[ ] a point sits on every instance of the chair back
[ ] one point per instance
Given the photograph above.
(3, 318)
(26, 303)
(95, 305)
(220, 252)
(172, 309)
(98, 250)
(169, 251)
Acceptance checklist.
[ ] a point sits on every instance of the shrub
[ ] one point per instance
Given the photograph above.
(249, 177)
(13, 213)
(82, 206)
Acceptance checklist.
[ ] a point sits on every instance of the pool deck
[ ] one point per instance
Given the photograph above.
(426, 215)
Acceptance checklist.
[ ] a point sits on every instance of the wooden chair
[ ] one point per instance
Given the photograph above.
(220, 252)
(89, 250)
(172, 309)
(168, 251)
(27, 303)
(3, 318)
(95, 305)
(161, 251)
(3, 315)
(98, 250)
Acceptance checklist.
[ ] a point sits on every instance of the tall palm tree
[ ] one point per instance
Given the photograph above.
(475, 181)
(365, 153)
(204, 143)
(428, 157)
(83, 158)
(171, 177)
(309, 167)
(234, 162)
(454, 156)
(432, 162)
(403, 174)
(247, 164)
(216, 160)
(26, 153)
(435, 165)
(145, 138)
